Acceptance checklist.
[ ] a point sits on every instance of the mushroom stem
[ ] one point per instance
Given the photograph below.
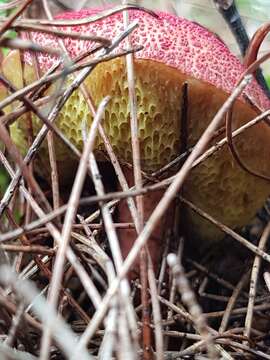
(127, 237)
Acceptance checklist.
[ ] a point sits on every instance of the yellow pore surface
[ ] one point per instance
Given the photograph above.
(158, 96)
(218, 185)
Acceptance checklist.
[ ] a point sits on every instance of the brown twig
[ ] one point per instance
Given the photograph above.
(189, 300)
(19, 25)
(228, 231)
(21, 44)
(254, 281)
(32, 249)
(236, 292)
(69, 218)
(250, 70)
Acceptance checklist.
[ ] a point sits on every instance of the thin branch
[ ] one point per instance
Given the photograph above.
(189, 300)
(69, 218)
(254, 281)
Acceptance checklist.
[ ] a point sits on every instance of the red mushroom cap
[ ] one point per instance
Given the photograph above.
(168, 39)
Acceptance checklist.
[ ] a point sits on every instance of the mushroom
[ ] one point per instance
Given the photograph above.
(175, 51)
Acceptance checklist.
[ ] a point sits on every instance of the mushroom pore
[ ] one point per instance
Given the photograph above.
(176, 51)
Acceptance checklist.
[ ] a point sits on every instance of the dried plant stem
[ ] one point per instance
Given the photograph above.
(238, 311)
(156, 311)
(34, 249)
(20, 25)
(28, 45)
(49, 78)
(11, 307)
(266, 277)
(16, 156)
(232, 301)
(17, 318)
(210, 274)
(136, 158)
(189, 299)
(255, 249)
(114, 243)
(48, 274)
(254, 281)
(86, 281)
(131, 192)
(110, 337)
(8, 119)
(54, 171)
(229, 123)
(114, 161)
(67, 227)
(173, 288)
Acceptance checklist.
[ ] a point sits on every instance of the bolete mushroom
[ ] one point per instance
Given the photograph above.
(175, 51)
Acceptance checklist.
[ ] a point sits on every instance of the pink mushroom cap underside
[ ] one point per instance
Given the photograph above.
(169, 39)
